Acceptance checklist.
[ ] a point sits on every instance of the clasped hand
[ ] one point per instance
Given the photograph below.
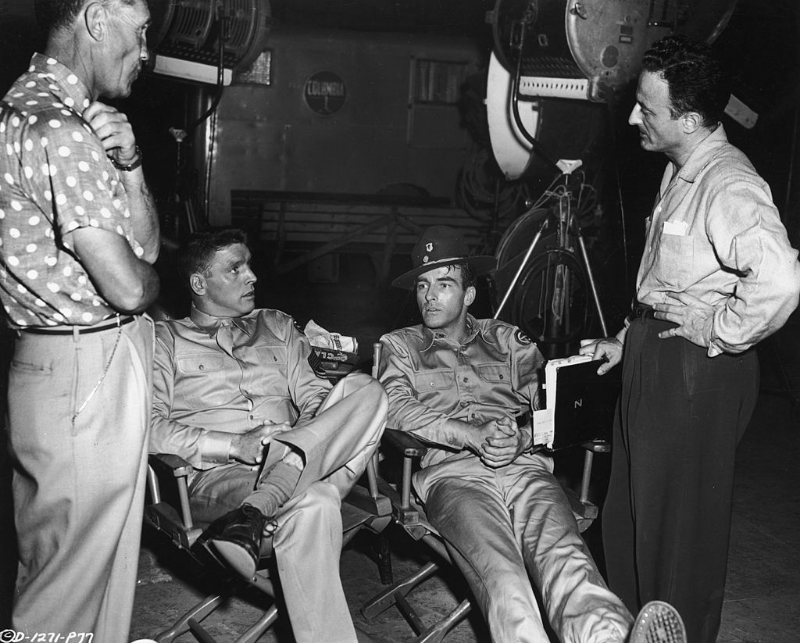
(248, 448)
(499, 442)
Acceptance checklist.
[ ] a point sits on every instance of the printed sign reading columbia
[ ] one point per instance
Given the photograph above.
(325, 93)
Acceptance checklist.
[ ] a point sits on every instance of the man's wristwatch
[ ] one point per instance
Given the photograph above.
(130, 167)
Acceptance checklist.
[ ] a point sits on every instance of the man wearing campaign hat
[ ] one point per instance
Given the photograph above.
(466, 387)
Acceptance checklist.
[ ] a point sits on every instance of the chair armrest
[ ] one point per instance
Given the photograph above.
(404, 443)
(166, 463)
(410, 448)
(598, 445)
(176, 521)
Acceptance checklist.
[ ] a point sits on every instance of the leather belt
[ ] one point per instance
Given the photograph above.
(642, 311)
(116, 322)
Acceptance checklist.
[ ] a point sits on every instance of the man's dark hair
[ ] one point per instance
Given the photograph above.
(198, 252)
(55, 14)
(697, 79)
(468, 277)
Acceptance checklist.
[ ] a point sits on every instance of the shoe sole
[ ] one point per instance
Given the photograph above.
(236, 557)
(658, 622)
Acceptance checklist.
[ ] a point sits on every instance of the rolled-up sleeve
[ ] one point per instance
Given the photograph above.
(749, 238)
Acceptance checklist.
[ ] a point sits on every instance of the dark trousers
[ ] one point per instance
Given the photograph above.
(667, 515)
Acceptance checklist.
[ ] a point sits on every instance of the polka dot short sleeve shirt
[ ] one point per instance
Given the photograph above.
(54, 178)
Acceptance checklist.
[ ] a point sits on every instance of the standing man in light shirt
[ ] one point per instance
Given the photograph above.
(718, 275)
(79, 236)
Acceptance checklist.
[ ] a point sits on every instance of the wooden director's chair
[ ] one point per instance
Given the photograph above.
(409, 514)
(168, 512)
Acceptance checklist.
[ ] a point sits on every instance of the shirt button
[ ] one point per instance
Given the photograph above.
(252, 417)
(201, 367)
(466, 379)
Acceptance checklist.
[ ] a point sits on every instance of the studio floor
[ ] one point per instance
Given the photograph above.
(762, 598)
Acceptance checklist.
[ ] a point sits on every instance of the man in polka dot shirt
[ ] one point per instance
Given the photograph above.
(78, 237)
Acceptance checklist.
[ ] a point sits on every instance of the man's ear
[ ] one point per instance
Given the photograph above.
(197, 282)
(96, 20)
(691, 122)
(469, 296)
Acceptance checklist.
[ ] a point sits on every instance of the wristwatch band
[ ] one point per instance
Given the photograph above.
(130, 167)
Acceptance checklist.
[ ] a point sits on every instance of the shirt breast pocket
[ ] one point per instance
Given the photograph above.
(430, 384)
(272, 371)
(495, 373)
(675, 260)
(202, 380)
(200, 364)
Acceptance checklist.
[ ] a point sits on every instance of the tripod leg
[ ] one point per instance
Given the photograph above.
(592, 282)
(521, 268)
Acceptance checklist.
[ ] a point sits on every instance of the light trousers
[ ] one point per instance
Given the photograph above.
(336, 446)
(79, 453)
(510, 530)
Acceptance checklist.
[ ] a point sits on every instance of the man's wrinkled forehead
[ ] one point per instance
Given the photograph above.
(228, 257)
(136, 13)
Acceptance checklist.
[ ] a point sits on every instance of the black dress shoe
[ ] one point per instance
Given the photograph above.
(240, 540)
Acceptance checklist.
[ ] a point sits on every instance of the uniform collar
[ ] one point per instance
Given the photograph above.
(210, 323)
(430, 337)
(77, 94)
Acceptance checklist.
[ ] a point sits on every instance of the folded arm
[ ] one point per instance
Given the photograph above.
(116, 135)
(126, 282)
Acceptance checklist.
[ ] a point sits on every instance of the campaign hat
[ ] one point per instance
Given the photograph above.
(442, 246)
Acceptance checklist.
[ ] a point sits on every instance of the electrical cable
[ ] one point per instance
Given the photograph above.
(619, 193)
(223, 36)
(535, 145)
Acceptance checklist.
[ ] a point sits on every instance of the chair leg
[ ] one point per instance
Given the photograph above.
(409, 613)
(191, 622)
(388, 597)
(197, 613)
(262, 625)
(384, 554)
(395, 595)
(437, 632)
(200, 633)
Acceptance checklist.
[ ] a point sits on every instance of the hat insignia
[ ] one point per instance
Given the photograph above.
(429, 246)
